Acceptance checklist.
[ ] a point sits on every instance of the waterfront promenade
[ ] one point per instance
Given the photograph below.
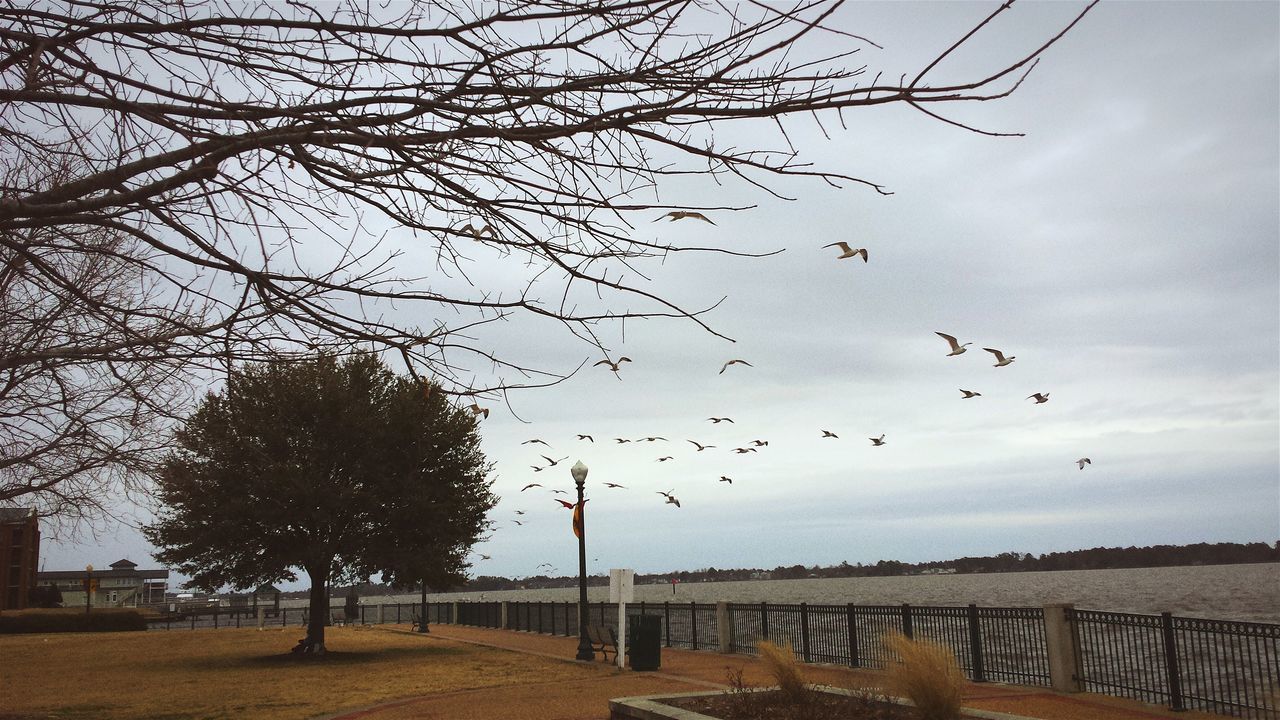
(685, 671)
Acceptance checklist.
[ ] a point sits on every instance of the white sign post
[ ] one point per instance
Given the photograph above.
(622, 591)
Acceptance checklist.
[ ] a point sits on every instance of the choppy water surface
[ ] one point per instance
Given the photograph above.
(1226, 592)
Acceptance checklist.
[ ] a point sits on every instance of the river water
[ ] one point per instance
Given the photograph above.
(1223, 592)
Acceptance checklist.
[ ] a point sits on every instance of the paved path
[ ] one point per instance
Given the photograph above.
(685, 671)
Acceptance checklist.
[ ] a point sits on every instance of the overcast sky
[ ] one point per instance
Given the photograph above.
(1125, 251)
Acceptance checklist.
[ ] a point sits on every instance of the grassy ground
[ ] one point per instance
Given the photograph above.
(185, 675)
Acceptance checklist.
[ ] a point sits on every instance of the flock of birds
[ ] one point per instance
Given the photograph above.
(846, 252)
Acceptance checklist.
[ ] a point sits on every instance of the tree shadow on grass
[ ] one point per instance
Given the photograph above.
(331, 658)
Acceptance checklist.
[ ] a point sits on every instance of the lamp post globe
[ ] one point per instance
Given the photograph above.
(579, 473)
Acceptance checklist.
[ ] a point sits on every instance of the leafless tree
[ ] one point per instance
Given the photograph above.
(285, 177)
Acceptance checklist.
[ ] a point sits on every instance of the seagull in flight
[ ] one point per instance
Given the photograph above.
(956, 348)
(478, 232)
(742, 451)
(477, 410)
(622, 440)
(519, 512)
(700, 446)
(1084, 461)
(537, 469)
(848, 252)
(1041, 398)
(559, 492)
(969, 394)
(675, 215)
(877, 442)
(726, 479)
(666, 458)
(760, 443)
(829, 434)
(553, 462)
(1001, 360)
(613, 365)
(530, 485)
(615, 485)
(717, 420)
(485, 557)
(517, 522)
(535, 440)
(671, 499)
(733, 362)
(586, 437)
(652, 439)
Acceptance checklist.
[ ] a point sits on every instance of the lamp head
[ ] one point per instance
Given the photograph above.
(88, 568)
(579, 472)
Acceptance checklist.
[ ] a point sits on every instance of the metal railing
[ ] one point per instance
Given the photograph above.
(1222, 666)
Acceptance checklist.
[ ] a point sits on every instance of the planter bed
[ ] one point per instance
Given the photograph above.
(832, 704)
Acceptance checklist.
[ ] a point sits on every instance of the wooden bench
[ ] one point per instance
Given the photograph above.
(602, 638)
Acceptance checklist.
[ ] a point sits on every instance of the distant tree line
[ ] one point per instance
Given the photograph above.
(1092, 559)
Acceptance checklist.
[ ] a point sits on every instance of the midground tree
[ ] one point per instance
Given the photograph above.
(335, 467)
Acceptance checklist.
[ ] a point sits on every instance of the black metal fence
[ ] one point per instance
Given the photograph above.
(1227, 667)
(1221, 666)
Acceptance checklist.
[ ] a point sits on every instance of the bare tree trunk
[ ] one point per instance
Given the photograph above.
(313, 643)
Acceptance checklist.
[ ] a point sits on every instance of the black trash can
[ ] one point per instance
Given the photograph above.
(644, 642)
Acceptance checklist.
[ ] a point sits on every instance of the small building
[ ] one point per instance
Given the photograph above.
(19, 556)
(122, 585)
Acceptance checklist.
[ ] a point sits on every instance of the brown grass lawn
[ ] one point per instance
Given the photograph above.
(231, 673)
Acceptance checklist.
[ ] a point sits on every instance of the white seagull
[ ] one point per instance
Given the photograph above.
(1001, 360)
(877, 442)
(969, 394)
(734, 362)
(956, 348)
(848, 252)
(1084, 461)
(675, 215)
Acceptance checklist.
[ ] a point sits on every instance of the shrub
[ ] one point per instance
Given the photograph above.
(72, 621)
(927, 674)
(782, 665)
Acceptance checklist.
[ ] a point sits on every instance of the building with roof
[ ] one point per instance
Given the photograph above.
(19, 556)
(122, 585)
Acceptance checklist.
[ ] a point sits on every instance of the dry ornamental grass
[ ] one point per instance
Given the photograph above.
(927, 674)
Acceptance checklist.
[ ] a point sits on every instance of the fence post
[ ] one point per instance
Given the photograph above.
(764, 621)
(453, 614)
(1060, 645)
(853, 636)
(193, 621)
(506, 607)
(262, 617)
(666, 615)
(215, 618)
(975, 646)
(906, 620)
(1171, 662)
(539, 617)
(724, 628)
(804, 631)
(693, 622)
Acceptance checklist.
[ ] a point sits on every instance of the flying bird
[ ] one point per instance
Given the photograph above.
(848, 252)
(559, 492)
(717, 421)
(519, 512)
(613, 365)
(969, 394)
(726, 479)
(553, 462)
(760, 443)
(485, 557)
(530, 485)
(700, 446)
(517, 522)
(664, 459)
(651, 439)
(741, 451)
(1001, 360)
(671, 499)
(477, 410)
(478, 232)
(1084, 461)
(675, 215)
(734, 362)
(1040, 398)
(537, 469)
(535, 440)
(956, 348)
(622, 440)
(828, 433)
(615, 485)
(877, 442)
(541, 565)
(586, 437)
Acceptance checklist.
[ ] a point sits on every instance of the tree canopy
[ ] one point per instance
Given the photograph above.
(337, 467)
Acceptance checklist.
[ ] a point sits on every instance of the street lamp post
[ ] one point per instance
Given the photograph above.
(579, 472)
(88, 587)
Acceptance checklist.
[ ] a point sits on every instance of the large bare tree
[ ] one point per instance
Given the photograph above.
(290, 178)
